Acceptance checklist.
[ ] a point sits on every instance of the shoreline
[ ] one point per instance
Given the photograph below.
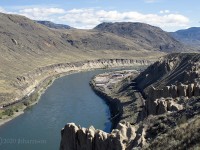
(119, 105)
(38, 92)
(48, 82)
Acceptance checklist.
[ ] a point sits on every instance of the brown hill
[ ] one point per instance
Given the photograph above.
(147, 36)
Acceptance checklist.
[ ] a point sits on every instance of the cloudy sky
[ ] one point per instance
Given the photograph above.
(170, 15)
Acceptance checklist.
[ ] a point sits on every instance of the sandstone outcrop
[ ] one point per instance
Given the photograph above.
(160, 101)
(174, 91)
(173, 76)
(161, 106)
(77, 138)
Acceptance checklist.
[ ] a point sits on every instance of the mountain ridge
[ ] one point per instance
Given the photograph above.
(190, 36)
(53, 25)
(143, 33)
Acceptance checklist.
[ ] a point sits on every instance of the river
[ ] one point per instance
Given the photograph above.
(68, 99)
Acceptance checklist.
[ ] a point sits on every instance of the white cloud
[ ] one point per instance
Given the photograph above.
(2, 10)
(165, 11)
(88, 18)
(41, 13)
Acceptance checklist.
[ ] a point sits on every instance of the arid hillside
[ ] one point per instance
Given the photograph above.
(26, 45)
(147, 36)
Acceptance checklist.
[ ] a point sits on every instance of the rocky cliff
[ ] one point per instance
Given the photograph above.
(77, 138)
(172, 102)
(174, 76)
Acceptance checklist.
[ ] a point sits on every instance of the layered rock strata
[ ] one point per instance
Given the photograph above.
(29, 82)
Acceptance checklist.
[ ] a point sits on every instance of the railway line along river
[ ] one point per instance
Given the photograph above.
(68, 99)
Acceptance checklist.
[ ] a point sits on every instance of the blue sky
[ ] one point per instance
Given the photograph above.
(170, 15)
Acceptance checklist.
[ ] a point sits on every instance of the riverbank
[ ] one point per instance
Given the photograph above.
(124, 106)
(31, 98)
(114, 87)
(29, 101)
(171, 105)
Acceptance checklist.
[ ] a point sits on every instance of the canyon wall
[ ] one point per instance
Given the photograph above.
(27, 83)
(168, 82)
(170, 70)
(171, 88)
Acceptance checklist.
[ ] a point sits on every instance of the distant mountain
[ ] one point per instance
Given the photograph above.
(25, 36)
(54, 25)
(189, 36)
(147, 36)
